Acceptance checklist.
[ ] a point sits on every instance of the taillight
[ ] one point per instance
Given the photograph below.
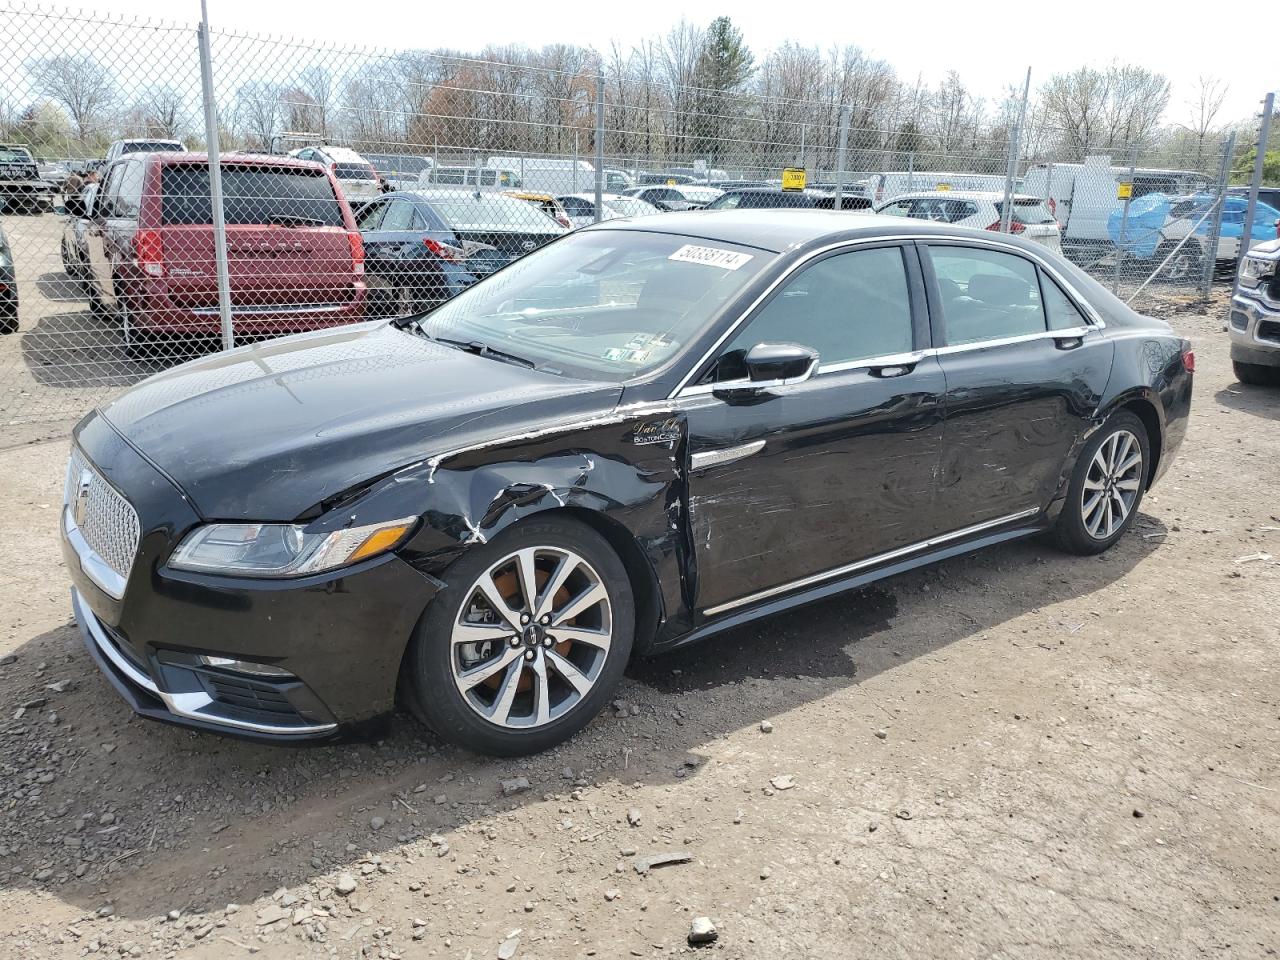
(445, 251)
(1189, 360)
(1052, 204)
(148, 252)
(565, 222)
(357, 253)
(1014, 227)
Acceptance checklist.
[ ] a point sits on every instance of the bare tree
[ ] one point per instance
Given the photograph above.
(317, 83)
(258, 112)
(1117, 108)
(80, 83)
(1204, 106)
(161, 112)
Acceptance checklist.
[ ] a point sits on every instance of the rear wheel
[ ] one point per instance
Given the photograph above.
(1255, 374)
(1106, 486)
(138, 344)
(526, 643)
(1185, 266)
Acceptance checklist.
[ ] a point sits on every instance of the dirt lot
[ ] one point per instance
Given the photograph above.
(1019, 754)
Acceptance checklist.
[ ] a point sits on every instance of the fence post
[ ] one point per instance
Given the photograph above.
(599, 145)
(1264, 134)
(1215, 227)
(1124, 222)
(1011, 165)
(215, 179)
(841, 149)
(911, 171)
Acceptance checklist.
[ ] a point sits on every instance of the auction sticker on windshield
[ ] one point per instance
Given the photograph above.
(710, 256)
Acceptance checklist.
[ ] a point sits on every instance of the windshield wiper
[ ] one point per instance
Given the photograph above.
(288, 220)
(483, 350)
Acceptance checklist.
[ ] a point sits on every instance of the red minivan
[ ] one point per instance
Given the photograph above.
(296, 261)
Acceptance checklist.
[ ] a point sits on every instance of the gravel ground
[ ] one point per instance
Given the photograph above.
(1019, 754)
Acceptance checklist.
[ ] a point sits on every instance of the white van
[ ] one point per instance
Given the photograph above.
(486, 177)
(1084, 195)
(882, 187)
(552, 175)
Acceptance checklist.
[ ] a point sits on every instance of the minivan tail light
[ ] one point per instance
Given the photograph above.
(148, 252)
(1189, 360)
(1014, 226)
(445, 251)
(357, 252)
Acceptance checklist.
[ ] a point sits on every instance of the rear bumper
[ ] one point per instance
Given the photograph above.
(153, 309)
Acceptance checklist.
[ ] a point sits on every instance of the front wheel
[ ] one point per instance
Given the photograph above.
(526, 643)
(1255, 374)
(1185, 266)
(1106, 486)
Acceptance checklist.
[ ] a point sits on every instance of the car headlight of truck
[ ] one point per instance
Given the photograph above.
(1257, 268)
(284, 549)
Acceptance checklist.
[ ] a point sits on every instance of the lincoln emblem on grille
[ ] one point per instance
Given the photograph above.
(81, 505)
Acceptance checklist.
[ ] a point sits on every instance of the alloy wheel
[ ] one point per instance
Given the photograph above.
(531, 638)
(1112, 485)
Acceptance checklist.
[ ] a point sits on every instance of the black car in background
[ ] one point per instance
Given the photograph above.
(641, 435)
(412, 259)
(492, 228)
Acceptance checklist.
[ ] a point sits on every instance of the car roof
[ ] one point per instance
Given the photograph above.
(592, 197)
(992, 195)
(257, 159)
(780, 229)
(458, 193)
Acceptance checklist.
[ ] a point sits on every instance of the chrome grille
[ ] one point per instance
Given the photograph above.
(105, 519)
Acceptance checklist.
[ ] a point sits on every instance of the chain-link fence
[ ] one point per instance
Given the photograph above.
(356, 184)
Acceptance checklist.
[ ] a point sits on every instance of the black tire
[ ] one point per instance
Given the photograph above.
(1071, 532)
(9, 322)
(1255, 374)
(429, 688)
(1187, 264)
(139, 344)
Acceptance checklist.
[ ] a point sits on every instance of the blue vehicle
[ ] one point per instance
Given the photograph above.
(1157, 223)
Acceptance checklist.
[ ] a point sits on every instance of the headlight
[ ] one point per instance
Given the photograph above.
(283, 549)
(1257, 268)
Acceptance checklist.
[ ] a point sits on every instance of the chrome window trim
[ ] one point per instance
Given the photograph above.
(1090, 314)
(189, 705)
(869, 561)
(906, 359)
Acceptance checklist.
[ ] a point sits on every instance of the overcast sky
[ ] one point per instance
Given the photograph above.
(991, 43)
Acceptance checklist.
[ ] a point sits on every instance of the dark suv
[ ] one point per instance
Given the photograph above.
(296, 260)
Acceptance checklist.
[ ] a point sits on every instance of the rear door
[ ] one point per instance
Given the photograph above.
(287, 243)
(839, 469)
(114, 224)
(1025, 368)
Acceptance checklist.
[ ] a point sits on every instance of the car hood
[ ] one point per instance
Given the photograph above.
(269, 431)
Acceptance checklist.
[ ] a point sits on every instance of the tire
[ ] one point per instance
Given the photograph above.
(8, 321)
(97, 309)
(1185, 267)
(459, 688)
(1255, 374)
(1086, 526)
(138, 344)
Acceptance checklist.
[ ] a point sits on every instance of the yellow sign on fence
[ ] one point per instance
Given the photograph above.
(1124, 191)
(793, 178)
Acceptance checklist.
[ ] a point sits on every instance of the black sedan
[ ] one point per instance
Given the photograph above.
(634, 438)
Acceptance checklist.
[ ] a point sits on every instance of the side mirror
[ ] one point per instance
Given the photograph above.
(771, 365)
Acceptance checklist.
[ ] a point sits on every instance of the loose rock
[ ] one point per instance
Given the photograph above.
(512, 787)
(346, 884)
(701, 931)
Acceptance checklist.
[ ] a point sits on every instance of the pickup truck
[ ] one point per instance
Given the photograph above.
(21, 188)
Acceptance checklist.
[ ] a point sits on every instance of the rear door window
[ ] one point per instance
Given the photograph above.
(251, 195)
(399, 216)
(1029, 212)
(1061, 312)
(370, 217)
(353, 171)
(986, 294)
(129, 199)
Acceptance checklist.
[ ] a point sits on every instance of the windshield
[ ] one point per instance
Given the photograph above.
(152, 146)
(631, 207)
(605, 304)
(251, 195)
(14, 155)
(465, 210)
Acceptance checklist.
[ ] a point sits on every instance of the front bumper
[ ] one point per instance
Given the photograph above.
(1254, 330)
(333, 641)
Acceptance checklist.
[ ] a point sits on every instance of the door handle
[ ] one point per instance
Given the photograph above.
(1068, 343)
(898, 365)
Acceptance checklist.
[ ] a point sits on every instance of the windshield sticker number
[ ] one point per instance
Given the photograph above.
(621, 355)
(710, 256)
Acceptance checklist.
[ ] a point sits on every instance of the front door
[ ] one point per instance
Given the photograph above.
(1025, 370)
(800, 480)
